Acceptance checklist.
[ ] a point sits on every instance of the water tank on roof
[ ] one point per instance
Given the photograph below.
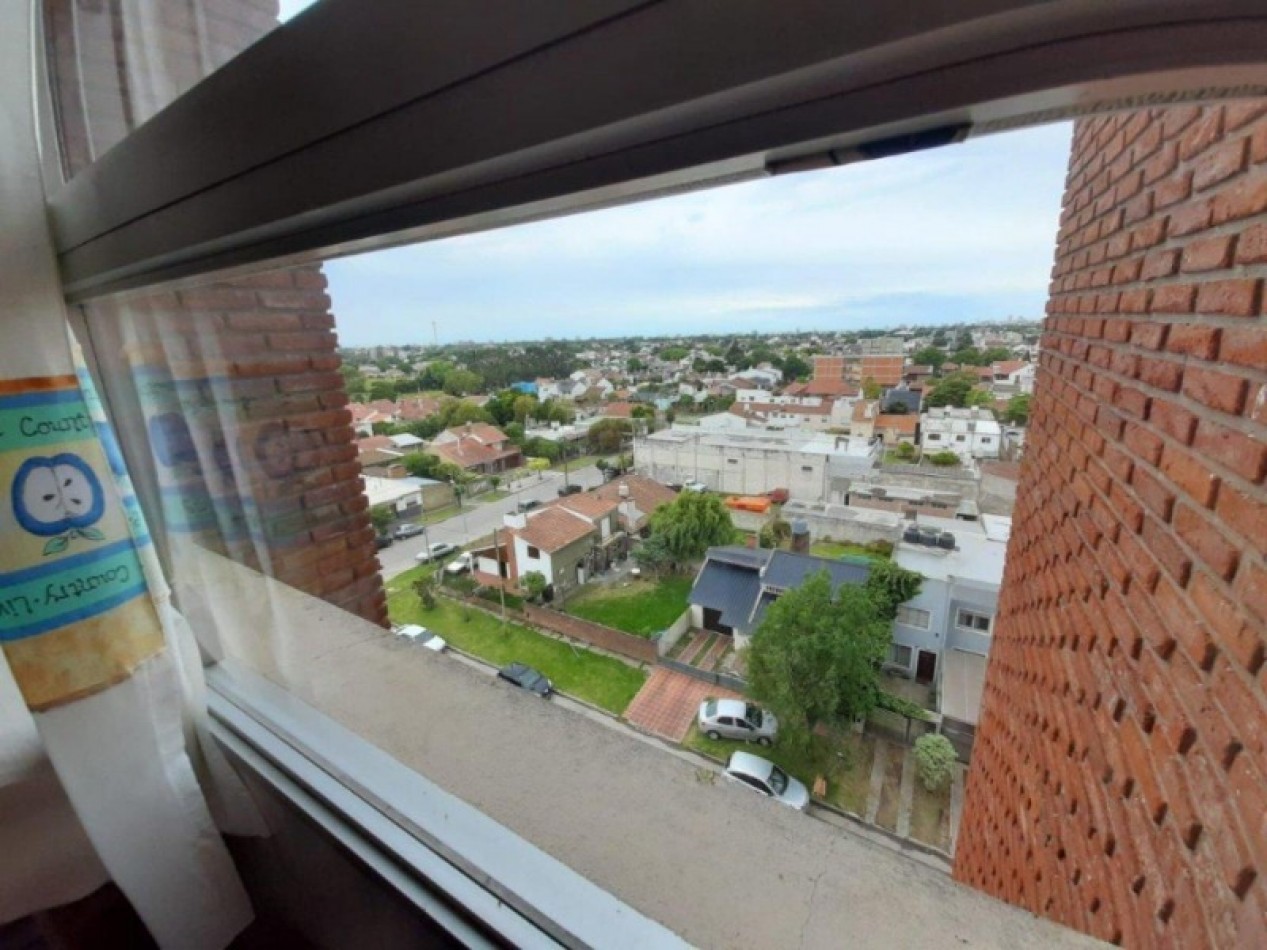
(946, 540)
(911, 535)
(929, 536)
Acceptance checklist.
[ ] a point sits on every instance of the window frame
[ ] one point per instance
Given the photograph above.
(926, 624)
(960, 612)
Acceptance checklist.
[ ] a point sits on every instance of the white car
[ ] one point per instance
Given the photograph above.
(762, 775)
(418, 634)
(460, 564)
(698, 487)
(437, 550)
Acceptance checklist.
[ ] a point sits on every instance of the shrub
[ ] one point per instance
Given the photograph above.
(945, 458)
(934, 761)
(905, 450)
(881, 547)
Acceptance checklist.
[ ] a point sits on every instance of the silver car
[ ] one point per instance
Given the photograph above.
(762, 775)
(736, 719)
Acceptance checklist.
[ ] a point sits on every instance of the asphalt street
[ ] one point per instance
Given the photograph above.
(478, 520)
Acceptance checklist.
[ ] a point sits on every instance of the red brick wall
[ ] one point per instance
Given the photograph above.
(263, 347)
(617, 641)
(1119, 780)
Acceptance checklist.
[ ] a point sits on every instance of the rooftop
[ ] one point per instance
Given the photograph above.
(980, 550)
(552, 529)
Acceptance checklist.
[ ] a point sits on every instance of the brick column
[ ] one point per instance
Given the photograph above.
(1119, 781)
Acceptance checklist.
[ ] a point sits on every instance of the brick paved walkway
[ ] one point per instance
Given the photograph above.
(667, 703)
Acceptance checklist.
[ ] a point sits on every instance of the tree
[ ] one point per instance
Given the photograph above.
(494, 481)
(670, 416)
(891, 585)
(381, 518)
(978, 397)
(996, 354)
(794, 367)
(816, 656)
(422, 465)
(523, 407)
(534, 584)
(905, 451)
(774, 534)
(635, 365)
(934, 761)
(944, 458)
(932, 356)
(426, 595)
(969, 356)
(653, 555)
(1017, 411)
(951, 391)
(691, 524)
(607, 435)
(871, 389)
(671, 354)
(381, 389)
(459, 382)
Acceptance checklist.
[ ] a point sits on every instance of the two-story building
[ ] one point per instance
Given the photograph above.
(942, 636)
(969, 433)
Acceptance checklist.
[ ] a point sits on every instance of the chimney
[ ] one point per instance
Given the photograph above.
(623, 490)
(800, 536)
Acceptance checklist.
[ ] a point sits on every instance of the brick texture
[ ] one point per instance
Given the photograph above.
(249, 363)
(1119, 778)
(617, 641)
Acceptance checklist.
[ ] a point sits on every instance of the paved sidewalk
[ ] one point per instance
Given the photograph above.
(668, 702)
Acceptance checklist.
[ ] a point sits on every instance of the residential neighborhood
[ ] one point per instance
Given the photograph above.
(645, 512)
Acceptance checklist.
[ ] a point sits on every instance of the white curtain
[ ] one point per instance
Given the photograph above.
(90, 640)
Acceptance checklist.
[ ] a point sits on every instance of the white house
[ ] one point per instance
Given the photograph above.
(969, 433)
(942, 636)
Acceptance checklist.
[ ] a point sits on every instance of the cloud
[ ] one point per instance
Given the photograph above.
(957, 233)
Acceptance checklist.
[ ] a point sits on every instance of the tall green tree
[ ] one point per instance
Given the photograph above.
(607, 435)
(1017, 411)
(891, 585)
(816, 656)
(459, 382)
(932, 356)
(951, 391)
(691, 524)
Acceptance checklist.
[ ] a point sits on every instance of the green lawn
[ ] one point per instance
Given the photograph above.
(495, 494)
(845, 762)
(601, 680)
(577, 464)
(642, 607)
(838, 549)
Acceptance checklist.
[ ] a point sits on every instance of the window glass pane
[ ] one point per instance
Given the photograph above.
(114, 65)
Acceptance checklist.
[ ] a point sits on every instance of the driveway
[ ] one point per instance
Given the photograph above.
(478, 520)
(667, 703)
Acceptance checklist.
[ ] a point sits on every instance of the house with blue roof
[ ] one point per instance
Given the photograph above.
(737, 584)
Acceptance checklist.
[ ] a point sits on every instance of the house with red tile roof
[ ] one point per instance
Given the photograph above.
(477, 447)
(636, 497)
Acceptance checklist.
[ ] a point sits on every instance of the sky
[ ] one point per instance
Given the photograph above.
(962, 233)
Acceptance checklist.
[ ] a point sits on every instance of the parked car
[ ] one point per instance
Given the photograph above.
(698, 487)
(460, 564)
(435, 551)
(416, 634)
(407, 530)
(764, 776)
(382, 540)
(736, 719)
(570, 490)
(525, 677)
(528, 504)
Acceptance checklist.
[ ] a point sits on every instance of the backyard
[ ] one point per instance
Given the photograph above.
(602, 680)
(639, 606)
(845, 761)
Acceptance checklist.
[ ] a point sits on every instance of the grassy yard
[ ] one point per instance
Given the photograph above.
(576, 464)
(891, 791)
(642, 607)
(930, 816)
(601, 680)
(845, 762)
(838, 549)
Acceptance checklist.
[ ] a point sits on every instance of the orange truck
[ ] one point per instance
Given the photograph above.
(759, 505)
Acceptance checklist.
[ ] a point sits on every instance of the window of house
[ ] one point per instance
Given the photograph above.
(807, 468)
(961, 438)
(934, 437)
(914, 617)
(533, 552)
(971, 620)
(900, 655)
